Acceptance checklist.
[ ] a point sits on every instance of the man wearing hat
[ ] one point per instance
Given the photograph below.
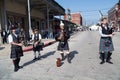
(62, 36)
(16, 48)
(36, 38)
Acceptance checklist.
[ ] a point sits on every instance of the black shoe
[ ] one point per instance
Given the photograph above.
(35, 59)
(102, 62)
(62, 59)
(20, 67)
(38, 58)
(16, 69)
(109, 62)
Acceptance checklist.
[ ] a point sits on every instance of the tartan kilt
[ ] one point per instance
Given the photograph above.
(37, 47)
(63, 46)
(16, 52)
(104, 47)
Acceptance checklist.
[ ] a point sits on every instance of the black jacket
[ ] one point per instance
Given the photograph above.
(66, 35)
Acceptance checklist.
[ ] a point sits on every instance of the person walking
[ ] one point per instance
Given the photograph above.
(37, 47)
(106, 44)
(23, 36)
(62, 36)
(4, 36)
(16, 48)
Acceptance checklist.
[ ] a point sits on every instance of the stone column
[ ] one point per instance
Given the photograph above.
(0, 21)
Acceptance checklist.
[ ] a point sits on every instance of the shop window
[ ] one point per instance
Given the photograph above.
(15, 21)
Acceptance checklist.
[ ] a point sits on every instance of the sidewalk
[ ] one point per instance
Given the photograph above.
(5, 48)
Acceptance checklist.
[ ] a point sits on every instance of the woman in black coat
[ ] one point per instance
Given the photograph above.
(16, 48)
(106, 44)
(62, 36)
(4, 36)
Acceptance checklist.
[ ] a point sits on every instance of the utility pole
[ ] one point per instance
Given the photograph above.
(69, 14)
(101, 15)
(29, 18)
(69, 18)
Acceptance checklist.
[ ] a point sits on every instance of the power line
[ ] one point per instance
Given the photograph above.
(90, 14)
(96, 10)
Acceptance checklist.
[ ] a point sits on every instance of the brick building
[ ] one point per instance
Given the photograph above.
(114, 15)
(74, 18)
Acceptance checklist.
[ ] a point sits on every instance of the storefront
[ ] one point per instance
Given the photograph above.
(15, 20)
(40, 14)
(1, 8)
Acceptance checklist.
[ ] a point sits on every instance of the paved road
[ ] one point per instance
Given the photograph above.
(85, 62)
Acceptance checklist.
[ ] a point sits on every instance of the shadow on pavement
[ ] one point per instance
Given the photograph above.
(2, 48)
(43, 56)
(72, 54)
(47, 54)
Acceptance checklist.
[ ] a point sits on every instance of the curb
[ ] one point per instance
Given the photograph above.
(29, 48)
(48, 43)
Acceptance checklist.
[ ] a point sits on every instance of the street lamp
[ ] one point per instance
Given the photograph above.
(69, 14)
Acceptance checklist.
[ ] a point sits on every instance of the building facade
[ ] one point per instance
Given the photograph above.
(114, 16)
(42, 12)
(74, 18)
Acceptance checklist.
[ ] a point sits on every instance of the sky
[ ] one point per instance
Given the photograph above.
(89, 9)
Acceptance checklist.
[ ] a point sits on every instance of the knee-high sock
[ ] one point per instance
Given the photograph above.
(108, 56)
(18, 61)
(103, 56)
(15, 63)
(35, 54)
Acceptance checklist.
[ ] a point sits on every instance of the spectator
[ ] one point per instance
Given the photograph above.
(4, 36)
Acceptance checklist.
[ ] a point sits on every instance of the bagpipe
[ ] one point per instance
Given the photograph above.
(62, 36)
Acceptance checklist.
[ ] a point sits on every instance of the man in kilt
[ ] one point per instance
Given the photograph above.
(16, 48)
(37, 47)
(106, 44)
(62, 36)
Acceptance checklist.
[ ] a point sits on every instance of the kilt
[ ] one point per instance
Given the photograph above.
(63, 46)
(106, 45)
(38, 47)
(16, 52)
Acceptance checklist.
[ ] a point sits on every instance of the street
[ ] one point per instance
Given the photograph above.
(84, 52)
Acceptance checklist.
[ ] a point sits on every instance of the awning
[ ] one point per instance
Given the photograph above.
(42, 5)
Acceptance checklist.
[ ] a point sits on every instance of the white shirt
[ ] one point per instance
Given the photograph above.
(101, 34)
(39, 36)
(4, 33)
(10, 38)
